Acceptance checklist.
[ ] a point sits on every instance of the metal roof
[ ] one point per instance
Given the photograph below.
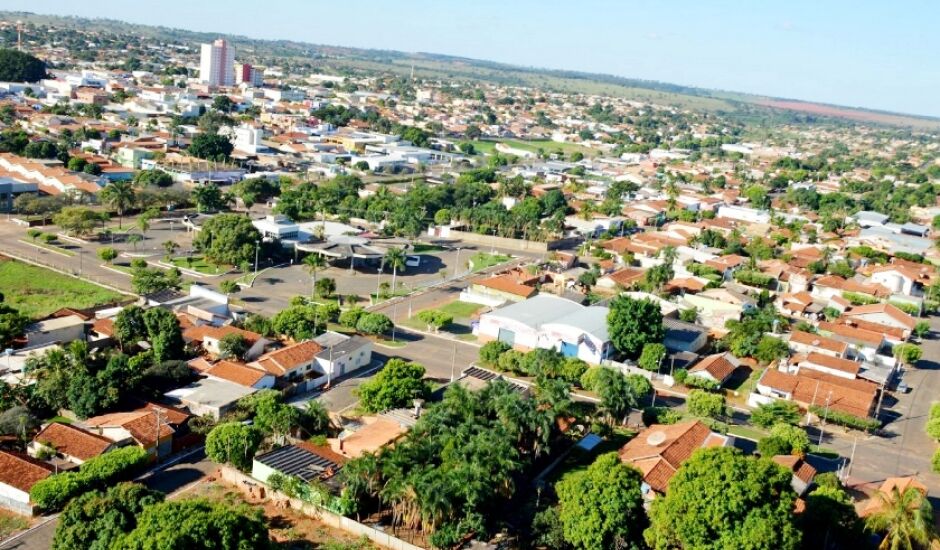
(294, 461)
(538, 310)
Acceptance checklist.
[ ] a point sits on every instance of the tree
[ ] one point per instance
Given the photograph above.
(197, 523)
(434, 319)
(129, 326)
(164, 334)
(325, 287)
(147, 280)
(300, 322)
(795, 437)
(613, 388)
(211, 147)
(119, 195)
(602, 507)
(157, 178)
(396, 385)
(233, 443)
(234, 345)
(652, 356)
(776, 412)
(19, 421)
(922, 329)
(12, 324)
(770, 349)
(374, 323)
(222, 103)
(228, 239)
(17, 66)
(907, 353)
(905, 518)
(720, 498)
(706, 404)
(633, 324)
(170, 247)
(208, 198)
(107, 254)
(78, 219)
(314, 263)
(350, 317)
(830, 520)
(97, 519)
(394, 258)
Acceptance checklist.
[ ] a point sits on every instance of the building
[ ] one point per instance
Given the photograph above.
(209, 337)
(54, 330)
(212, 396)
(342, 354)
(246, 74)
(683, 337)
(18, 474)
(217, 63)
(148, 429)
(240, 374)
(71, 443)
(803, 472)
(659, 450)
(550, 322)
(292, 363)
(716, 368)
(302, 460)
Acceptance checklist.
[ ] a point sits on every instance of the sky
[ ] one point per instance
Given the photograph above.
(862, 53)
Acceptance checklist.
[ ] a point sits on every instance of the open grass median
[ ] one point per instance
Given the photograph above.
(36, 291)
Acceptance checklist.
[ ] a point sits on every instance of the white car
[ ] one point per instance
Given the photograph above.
(413, 261)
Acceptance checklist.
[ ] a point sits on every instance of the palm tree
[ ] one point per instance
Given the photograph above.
(119, 195)
(170, 247)
(134, 239)
(314, 262)
(395, 257)
(905, 518)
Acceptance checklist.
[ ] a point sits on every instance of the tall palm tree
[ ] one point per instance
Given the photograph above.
(314, 262)
(119, 195)
(905, 518)
(395, 258)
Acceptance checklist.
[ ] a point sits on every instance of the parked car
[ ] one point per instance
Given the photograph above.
(413, 261)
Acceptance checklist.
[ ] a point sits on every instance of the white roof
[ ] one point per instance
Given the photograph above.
(538, 310)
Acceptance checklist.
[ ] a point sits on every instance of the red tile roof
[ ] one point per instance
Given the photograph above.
(73, 441)
(717, 365)
(286, 359)
(659, 450)
(21, 471)
(238, 373)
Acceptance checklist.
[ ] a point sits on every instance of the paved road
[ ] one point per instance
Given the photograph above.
(174, 481)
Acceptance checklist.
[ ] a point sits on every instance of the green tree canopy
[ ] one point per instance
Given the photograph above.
(396, 385)
(228, 239)
(602, 507)
(233, 443)
(196, 523)
(17, 66)
(633, 324)
(211, 147)
(720, 498)
(98, 519)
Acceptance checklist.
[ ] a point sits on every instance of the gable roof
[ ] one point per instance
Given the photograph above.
(888, 309)
(236, 372)
(21, 471)
(73, 441)
(280, 362)
(659, 450)
(717, 365)
(201, 332)
(141, 425)
(835, 363)
(506, 283)
(817, 341)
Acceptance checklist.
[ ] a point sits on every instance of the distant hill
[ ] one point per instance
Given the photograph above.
(748, 107)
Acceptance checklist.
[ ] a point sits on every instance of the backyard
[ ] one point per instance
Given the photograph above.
(36, 291)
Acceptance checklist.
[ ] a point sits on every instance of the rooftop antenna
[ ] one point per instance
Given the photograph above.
(19, 35)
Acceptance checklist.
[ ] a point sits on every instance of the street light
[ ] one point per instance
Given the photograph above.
(257, 248)
(457, 262)
(822, 426)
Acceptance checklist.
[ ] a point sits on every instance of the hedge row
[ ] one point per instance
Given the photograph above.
(845, 419)
(54, 492)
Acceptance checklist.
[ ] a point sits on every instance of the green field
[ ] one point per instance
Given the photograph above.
(199, 265)
(483, 260)
(460, 310)
(37, 292)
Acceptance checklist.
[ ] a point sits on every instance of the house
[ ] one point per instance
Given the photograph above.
(809, 388)
(835, 366)
(240, 374)
(803, 472)
(622, 278)
(550, 322)
(18, 474)
(883, 314)
(683, 337)
(370, 435)
(209, 396)
(342, 354)
(861, 343)
(888, 488)
(659, 450)
(499, 289)
(716, 368)
(71, 443)
(899, 279)
(866, 218)
(807, 342)
(55, 329)
(291, 363)
(145, 428)
(303, 460)
(209, 336)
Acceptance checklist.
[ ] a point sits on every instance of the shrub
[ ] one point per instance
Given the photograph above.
(933, 427)
(681, 376)
(660, 415)
(350, 317)
(699, 382)
(777, 412)
(772, 446)
(651, 356)
(54, 492)
(374, 323)
(490, 352)
(935, 461)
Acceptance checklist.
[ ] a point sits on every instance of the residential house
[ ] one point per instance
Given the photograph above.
(209, 336)
(70, 443)
(291, 363)
(342, 354)
(303, 460)
(209, 396)
(807, 342)
(660, 450)
(835, 366)
(882, 314)
(622, 279)
(145, 428)
(803, 472)
(864, 344)
(241, 374)
(684, 337)
(498, 289)
(809, 388)
(716, 368)
(54, 330)
(18, 474)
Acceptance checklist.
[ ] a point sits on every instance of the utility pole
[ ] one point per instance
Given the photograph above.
(822, 425)
(156, 446)
(851, 459)
(329, 371)
(453, 363)
(257, 248)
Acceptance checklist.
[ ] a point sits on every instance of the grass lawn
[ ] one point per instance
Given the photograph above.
(460, 310)
(200, 265)
(37, 292)
(485, 147)
(548, 146)
(11, 523)
(747, 432)
(483, 260)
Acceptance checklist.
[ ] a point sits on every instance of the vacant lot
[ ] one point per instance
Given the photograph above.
(37, 292)
(11, 523)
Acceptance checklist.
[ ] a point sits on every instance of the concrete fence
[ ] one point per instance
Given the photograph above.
(245, 483)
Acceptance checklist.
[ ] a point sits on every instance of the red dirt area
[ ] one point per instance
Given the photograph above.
(850, 114)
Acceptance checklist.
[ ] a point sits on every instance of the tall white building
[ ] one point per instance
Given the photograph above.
(217, 64)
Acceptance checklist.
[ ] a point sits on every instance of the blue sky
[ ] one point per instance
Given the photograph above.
(862, 53)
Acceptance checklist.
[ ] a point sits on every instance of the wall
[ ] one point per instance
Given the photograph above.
(511, 244)
(351, 526)
(12, 498)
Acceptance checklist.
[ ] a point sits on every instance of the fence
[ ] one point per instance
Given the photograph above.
(351, 526)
